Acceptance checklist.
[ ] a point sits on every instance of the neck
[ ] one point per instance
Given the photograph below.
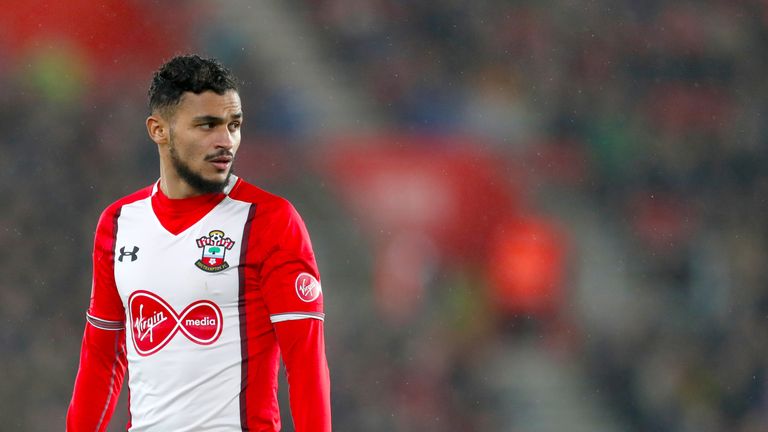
(172, 186)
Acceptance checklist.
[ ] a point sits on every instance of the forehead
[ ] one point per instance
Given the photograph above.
(209, 103)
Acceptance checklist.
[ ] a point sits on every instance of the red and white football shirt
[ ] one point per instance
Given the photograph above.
(201, 296)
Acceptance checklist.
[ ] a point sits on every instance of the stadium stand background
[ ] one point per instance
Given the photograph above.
(529, 216)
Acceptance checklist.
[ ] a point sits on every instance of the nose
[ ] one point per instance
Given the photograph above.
(226, 140)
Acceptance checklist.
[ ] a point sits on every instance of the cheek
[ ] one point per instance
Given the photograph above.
(190, 152)
(195, 148)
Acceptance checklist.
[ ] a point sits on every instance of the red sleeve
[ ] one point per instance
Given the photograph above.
(102, 356)
(302, 344)
(99, 380)
(105, 300)
(294, 298)
(289, 276)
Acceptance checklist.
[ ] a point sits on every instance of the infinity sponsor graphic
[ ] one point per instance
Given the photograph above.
(307, 287)
(154, 322)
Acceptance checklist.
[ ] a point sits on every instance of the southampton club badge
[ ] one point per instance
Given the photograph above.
(215, 247)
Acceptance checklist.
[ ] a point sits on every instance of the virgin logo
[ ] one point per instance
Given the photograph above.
(307, 287)
(154, 322)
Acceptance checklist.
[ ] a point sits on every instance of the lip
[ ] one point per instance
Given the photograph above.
(221, 163)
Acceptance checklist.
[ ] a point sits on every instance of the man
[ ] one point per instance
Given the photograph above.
(200, 282)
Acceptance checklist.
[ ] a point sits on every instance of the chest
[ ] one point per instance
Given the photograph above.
(198, 264)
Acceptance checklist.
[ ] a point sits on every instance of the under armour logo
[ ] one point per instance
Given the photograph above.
(132, 254)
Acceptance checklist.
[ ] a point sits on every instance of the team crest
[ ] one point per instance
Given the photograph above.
(215, 247)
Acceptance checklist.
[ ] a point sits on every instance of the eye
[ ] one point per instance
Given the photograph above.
(206, 125)
(235, 125)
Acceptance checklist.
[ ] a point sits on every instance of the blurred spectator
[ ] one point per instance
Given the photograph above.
(662, 99)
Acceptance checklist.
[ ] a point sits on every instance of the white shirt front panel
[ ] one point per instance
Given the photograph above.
(182, 320)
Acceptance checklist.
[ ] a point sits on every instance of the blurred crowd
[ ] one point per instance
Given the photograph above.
(650, 111)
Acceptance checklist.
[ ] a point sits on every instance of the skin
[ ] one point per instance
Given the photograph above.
(204, 133)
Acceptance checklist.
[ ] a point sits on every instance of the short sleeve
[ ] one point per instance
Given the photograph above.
(106, 309)
(289, 277)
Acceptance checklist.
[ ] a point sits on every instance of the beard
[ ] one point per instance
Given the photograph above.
(193, 179)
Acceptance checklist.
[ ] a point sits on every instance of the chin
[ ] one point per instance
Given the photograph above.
(223, 178)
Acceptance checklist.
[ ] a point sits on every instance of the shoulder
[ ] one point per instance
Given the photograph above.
(107, 225)
(266, 203)
(113, 210)
(276, 220)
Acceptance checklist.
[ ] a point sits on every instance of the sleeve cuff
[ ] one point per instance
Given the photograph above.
(290, 316)
(104, 324)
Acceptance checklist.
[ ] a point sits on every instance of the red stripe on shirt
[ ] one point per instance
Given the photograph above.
(259, 406)
(278, 250)
(243, 312)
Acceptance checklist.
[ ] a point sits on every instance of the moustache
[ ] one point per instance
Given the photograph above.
(221, 153)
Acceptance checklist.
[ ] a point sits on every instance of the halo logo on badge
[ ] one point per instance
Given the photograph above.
(215, 247)
(307, 287)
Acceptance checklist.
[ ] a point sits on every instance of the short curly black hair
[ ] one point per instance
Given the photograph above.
(187, 73)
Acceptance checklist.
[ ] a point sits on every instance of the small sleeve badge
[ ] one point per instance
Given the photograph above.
(307, 287)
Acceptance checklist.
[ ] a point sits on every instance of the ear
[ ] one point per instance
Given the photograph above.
(158, 129)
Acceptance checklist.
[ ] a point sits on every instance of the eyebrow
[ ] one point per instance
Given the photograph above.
(215, 119)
